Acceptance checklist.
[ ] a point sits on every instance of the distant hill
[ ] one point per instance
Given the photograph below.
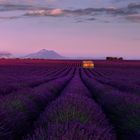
(45, 54)
(5, 55)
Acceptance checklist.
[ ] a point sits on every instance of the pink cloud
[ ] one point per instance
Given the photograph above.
(134, 17)
(49, 12)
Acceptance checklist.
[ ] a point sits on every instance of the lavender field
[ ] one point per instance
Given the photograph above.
(61, 100)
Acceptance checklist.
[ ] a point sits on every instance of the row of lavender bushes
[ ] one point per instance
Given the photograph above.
(19, 110)
(74, 115)
(122, 108)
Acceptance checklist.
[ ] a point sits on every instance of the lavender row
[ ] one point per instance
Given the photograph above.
(123, 109)
(18, 111)
(9, 87)
(122, 85)
(74, 115)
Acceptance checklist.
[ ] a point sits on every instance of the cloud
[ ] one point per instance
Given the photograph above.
(10, 17)
(13, 7)
(76, 12)
(134, 5)
(130, 12)
(49, 12)
(56, 12)
(133, 17)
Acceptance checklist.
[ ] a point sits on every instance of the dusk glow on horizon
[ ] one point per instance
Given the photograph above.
(89, 28)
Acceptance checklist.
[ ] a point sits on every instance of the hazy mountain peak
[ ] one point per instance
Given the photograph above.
(5, 55)
(43, 50)
(45, 54)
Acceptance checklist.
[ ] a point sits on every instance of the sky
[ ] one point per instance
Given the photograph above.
(91, 28)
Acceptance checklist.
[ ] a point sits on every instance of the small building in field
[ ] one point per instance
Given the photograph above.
(88, 64)
(114, 58)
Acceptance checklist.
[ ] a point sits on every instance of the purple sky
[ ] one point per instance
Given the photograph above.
(95, 28)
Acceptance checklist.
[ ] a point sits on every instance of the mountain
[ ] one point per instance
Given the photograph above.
(5, 55)
(45, 54)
